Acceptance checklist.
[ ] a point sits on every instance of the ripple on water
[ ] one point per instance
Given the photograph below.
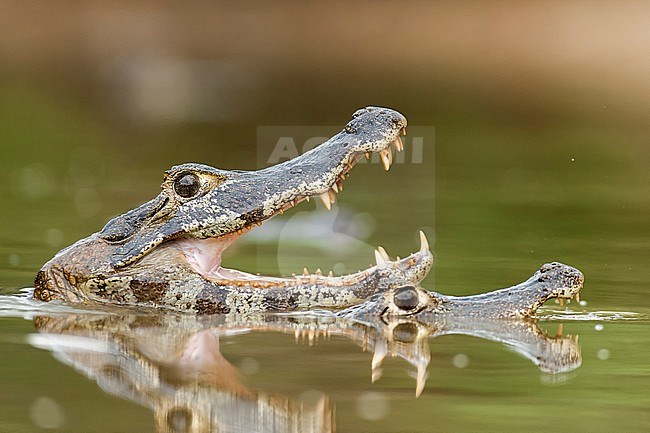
(23, 305)
(583, 316)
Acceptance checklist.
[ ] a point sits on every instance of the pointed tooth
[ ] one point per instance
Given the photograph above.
(335, 187)
(577, 297)
(399, 145)
(383, 253)
(331, 274)
(368, 155)
(385, 158)
(339, 185)
(381, 263)
(319, 272)
(305, 272)
(307, 198)
(403, 131)
(332, 195)
(325, 197)
(560, 301)
(424, 243)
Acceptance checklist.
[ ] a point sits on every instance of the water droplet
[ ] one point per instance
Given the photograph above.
(460, 360)
(372, 406)
(46, 413)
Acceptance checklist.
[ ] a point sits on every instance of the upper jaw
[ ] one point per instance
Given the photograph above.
(245, 199)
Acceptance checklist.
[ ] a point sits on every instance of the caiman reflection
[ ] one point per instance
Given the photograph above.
(173, 364)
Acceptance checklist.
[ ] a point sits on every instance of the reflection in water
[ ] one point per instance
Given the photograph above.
(173, 364)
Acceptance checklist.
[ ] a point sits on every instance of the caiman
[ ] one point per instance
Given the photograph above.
(167, 252)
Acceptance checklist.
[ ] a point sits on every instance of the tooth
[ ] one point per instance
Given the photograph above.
(331, 274)
(383, 253)
(335, 187)
(307, 198)
(368, 155)
(332, 195)
(424, 244)
(305, 272)
(560, 301)
(404, 131)
(577, 297)
(385, 156)
(339, 185)
(326, 200)
(381, 263)
(318, 272)
(399, 146)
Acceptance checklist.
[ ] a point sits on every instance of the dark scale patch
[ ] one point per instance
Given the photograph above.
(208, 306)
(212, 300)
(253, 216)
(148, 291)
(41, 291)
(280, 300)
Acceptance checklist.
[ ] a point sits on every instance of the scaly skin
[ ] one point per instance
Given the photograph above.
(552, 280)
(167, 252)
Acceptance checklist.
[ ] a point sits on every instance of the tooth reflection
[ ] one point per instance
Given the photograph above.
(174, 364)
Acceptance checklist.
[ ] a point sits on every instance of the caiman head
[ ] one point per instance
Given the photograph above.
(172, 245)
(551, 281)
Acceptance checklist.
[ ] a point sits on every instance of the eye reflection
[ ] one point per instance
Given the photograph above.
(179, 419)
(405, 333)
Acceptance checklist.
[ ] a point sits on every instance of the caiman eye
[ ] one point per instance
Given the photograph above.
(406, 298)
(187, 185)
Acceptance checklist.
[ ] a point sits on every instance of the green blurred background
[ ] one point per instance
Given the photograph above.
(541, 152)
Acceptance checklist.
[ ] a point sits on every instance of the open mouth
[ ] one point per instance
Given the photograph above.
(205, 255)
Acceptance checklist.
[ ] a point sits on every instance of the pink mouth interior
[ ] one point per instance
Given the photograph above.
(204, 255)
